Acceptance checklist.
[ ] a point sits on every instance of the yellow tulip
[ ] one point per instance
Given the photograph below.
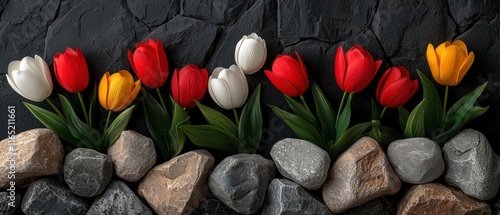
(117, 91)
(449, 62)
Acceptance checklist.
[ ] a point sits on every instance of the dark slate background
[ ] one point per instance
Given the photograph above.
(205, 32)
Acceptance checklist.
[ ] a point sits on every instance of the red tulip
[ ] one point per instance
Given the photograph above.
(189, 84)
(395, 87)
(149, 62)
(71, 70)
(354, 70)
(289, 75)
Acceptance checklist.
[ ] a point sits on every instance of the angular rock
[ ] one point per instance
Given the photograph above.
(118, 199)
(302, 162)
(214, 207)
(224, 12)
(286, 197)
(465, 12)
(47, 196)
(416, 160)
(178, 185)
(87, 172)
(154, 12)
(471, 165)
(434, 198)
(133, 155)
(240, 181)
(35, 153)
(378, 206)
(362, 173)
(9, 203)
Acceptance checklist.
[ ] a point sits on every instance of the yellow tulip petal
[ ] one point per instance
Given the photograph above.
(450, 64)
(461, 44)
(131, 96)
(103, 91)
(127, 75)
(119, 89)
(440, 50)
(433, 63)
(465, 67)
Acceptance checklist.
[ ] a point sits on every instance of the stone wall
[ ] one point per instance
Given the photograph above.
(205, 32)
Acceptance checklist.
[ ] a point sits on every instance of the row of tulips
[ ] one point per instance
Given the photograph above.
(354, 70)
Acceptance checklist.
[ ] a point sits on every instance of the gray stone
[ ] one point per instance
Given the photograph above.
(118, 199)
(154, 12)
(286, 197)
(224, 12)
(9, 203)
(133, 155)
(471, 165)
(378, 206)
(47, 196)
(465, 12)
(213, 207)
(302, 162)
(240, 181)
(416, 160)
(87, 172)
(496, 207)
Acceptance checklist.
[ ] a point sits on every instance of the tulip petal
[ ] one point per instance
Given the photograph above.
(189, 86)
(237, 49)
(145, 64)
(46, 73)
(340, 67)
(33, 87)
(130, 56)
(103, 91)
(13, 85)
(204, 84)
(451, 62)
(250, 56)
(354, 54)
(396, 94)
(465, 67)
(162, 62)
(357, 76)
(290, 69)
(433, 62)
(221, 93)
(383, 82)
(243, 79)
(236, 85)
(131, 96)
(119, 89)
(303, 84)
(282, 84)
(440, 50)
(460, 44)
(174, 85)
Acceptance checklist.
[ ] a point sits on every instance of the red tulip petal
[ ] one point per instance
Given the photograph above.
(175, 85)
(382, 83)
(282, 84)
(130, 56)
(162, 62)
(340, 67)
(150, 42)
(204, 84)
(145, 64)
(304, 84)
(396, 94)
(404, 72)
(290, 69)
(354, 54)
(357, 76)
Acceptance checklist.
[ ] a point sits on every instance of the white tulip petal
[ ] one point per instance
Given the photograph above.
(221, 91)
(32, 87)
(210, 91)
(250, 57)
(237, 84)
(28, 64)
(14, 87)
(14, 65)
(237, 49)
(253, 36)
(46, 72)
(216, 72)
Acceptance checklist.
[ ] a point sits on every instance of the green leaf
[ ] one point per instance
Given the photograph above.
(301, 127)
(384, 135)
(344, 119)
(347, 139)
(213, 137)
(217, 119)
(88, 136)
(415, 126)
(460, 108)
(403, 117)
(178, 137)
(433, 112)
(473, 113)
(250, 125)
(299, 109)
(93, 102)
(53, 122)
(469, 115)
(117, 126)
(158, 123)
(325, 113)
(375, 111)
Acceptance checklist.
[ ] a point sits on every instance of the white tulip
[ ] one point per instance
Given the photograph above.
(250, 53)
(30, 78)
(228, 87)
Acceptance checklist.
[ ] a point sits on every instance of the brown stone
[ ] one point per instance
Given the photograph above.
(133, 155)
(435, 198)
(360, 174)
(179, 185)
(34, 153)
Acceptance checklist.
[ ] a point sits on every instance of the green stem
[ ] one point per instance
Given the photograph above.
(236, 117)
(304, 102)
(445, 101)
(161, 100)
(340, 107)
(383, 111)
(85, 114)
(107, 121)
(54, 107)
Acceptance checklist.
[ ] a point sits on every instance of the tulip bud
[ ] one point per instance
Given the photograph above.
(189, 84)
(395, 87)
(449, 62)
(250, 53)
(355, 69)
(149, 62)
(228, 87)
(117, 91)
(30, 78)
(71, 70)
(289, 75)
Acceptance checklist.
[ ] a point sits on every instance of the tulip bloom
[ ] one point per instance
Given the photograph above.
(355, 69)
(30, 78)
(449, 62)
(149, 62)
(250, 53)
(189, 84)
(117, 91)
(395, 87)
(228, 87)
(289, 75)
(71, 70)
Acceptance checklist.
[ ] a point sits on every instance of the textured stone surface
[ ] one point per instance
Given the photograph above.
(416, 160)
(465, 13)
(47, 196)
(178, 185)
(362, 173)
(378, 206)
(213, 207)
(133, 155)
(286, 197)
(35, 153)
(154, 12)
(9, 203)
(87, 172)
(471, 165)
(240, 181)
(301, 161)
(118, 199)
(223, 12)
(434, 198)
